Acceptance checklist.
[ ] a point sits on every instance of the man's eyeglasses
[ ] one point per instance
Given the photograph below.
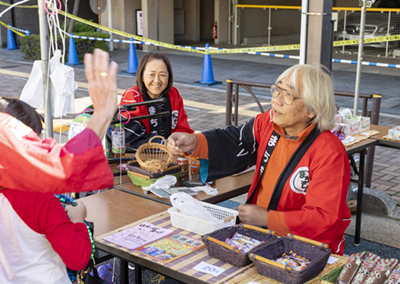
(287, 97)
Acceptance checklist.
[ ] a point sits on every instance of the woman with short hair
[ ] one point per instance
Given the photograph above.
(154, 80)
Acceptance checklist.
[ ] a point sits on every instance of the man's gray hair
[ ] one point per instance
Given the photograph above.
(314, 83)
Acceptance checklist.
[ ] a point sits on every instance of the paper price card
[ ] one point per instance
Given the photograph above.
(138, 236)
(332, 259)
(209, 268)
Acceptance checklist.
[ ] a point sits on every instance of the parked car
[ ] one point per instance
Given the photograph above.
(376, 25)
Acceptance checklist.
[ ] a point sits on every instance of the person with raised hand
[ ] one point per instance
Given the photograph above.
(29, 163)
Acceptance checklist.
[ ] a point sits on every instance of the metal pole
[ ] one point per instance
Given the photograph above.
(269, 27)
(230, 22)
(344, 32)
(109, 5)
(303, 31)
(360, 57)
(99, 10)
(44, 48)
(388, 34)
(236, 37)
(158, 22)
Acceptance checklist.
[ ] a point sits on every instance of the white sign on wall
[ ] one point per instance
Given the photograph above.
(139, 22)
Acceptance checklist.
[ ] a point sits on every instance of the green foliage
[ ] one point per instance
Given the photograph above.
(80, 27)
(30, 45)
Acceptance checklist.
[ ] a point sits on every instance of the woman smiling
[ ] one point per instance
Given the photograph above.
(154, 80)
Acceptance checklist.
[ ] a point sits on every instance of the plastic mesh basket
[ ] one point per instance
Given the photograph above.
(200, 226)
(231, 256)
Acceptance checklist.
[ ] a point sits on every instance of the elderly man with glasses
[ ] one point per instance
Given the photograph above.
(302, 169)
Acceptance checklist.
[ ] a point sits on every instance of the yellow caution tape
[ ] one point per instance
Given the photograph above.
(15, 31)
(155, 42)
(367, 40)
(19, 6)
(212, 51)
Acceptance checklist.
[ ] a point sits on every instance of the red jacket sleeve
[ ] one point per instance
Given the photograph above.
(78, 166)
(44, 214)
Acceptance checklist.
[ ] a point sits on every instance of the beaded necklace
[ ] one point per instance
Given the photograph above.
(65, 200)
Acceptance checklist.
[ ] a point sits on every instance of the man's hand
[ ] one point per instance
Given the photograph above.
(180, 142)
(102, 79)
(253, 215)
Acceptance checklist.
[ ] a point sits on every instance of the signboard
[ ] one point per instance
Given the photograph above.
(139, 22)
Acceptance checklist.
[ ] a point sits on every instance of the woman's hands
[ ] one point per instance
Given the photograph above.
(102, 79)
(76, 213)
(180, 142)
(253, 215)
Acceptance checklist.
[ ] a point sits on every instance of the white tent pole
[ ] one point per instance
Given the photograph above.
(44, 48)
(360, 57)
(109, 8)
(303, 31)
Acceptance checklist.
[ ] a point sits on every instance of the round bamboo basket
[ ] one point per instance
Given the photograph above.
(154, 157)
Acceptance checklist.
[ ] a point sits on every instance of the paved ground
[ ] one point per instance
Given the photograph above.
(206, 106)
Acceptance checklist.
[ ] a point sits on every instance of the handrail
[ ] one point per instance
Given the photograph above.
(233, 98)
(299, 8)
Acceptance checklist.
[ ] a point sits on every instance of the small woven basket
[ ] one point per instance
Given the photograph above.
(216, 246)
(264, 257)
(154, 157)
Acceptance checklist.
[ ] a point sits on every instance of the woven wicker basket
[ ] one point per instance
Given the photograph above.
(264, 255)
(154, 157)
(216, 246)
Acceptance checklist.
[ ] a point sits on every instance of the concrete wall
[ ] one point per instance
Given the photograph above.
(221, 16)
(191, 9)
(207, 19)
(158, 21)
(123, 14)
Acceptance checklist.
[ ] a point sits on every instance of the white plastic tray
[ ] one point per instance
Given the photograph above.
(200, 226)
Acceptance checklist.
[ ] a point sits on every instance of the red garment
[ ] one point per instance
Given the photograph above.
(34, 234)
(133, 95)
(78, 166)
(316, 209)
(320, 213)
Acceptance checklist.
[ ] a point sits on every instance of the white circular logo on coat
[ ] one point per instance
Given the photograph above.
(174, 115)
(299, 180)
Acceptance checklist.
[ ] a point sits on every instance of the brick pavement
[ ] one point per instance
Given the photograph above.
(206, 110)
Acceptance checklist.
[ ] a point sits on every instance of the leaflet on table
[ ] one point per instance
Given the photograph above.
(138, 236)
(172, 247)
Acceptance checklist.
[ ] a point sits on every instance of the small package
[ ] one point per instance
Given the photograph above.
(350, 268)
(366, 267)
(381, 271)
(338, 118)
(365, 123)
(394, 276)
(345, 113)
(352, 126)
(394, 133)
(339, 131)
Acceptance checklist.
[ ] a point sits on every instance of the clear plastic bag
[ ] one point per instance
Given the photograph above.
(191, 207)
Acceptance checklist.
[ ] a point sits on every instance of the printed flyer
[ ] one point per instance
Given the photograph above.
(172, 247)
(138, 236)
